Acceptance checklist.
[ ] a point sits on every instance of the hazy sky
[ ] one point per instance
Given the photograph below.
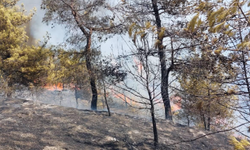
(39, 29)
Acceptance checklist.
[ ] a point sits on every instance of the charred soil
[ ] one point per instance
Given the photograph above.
(28, 125)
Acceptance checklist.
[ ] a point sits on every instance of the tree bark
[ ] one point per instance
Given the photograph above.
(188, 121)
(164, 70)
(9, 95)
(246, 79)
(76, 96)
(152, 109)
(245, 69)
(105, 97)
(208, 120)
(204, 121)
(166, 100)
(9, 91)
(154, 123)
(209, 112)
(90, 71)
(92, 79)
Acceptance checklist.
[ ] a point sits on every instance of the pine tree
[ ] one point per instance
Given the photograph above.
(86, 22)
(223, 30)
(19, 64)
(202, 92)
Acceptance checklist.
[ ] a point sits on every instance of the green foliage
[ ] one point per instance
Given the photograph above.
(226, 28)
(193, 22)
(239, 145)
(70, 68)
(8, 3)
(161, 34)
(19, 64)
(202, 92)
(136, 31)
(131, 29)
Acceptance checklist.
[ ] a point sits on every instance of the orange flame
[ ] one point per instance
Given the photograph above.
(123, 97)
(175, 103)
(139, 65)
(53, 87)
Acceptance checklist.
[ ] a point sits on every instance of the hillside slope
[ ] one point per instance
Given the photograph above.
(26, 125)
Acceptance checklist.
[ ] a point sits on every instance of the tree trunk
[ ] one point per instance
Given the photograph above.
(208, 121)
(154, 123)
(188, 121)
(88, 59)
(105, 97)
(91, 73)
(9, 91)
(166, 100)
(244, 63)
(151, 100)
(9, 95)
(94, 93)
(209, 112)
(204, 121)
(164, 71)
(76, 96)
(246, 79)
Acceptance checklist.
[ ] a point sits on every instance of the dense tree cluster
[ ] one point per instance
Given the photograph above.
(20, 64)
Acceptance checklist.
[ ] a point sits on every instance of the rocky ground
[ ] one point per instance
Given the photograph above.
(28, 125)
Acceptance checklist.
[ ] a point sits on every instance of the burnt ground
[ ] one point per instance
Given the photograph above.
(28, 125)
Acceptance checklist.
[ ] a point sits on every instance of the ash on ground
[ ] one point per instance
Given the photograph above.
(29, 125)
